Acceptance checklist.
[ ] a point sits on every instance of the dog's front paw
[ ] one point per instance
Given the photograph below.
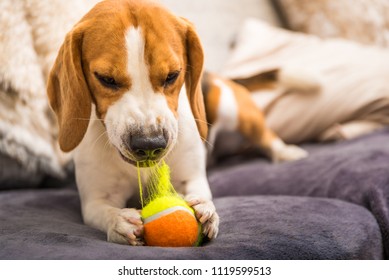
(206, 213)
(126, 228)
(288, 153)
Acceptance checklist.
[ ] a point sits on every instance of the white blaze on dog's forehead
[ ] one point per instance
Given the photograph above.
(136, 64)
(141, 94)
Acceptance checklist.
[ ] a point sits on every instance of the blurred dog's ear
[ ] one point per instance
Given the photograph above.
(194, 70)
(68, 92)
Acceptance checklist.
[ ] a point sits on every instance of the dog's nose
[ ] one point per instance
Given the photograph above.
(148, 148)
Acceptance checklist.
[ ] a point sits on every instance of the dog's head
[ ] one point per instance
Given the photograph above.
(130, 58)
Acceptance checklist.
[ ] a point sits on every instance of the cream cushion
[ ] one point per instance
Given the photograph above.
(353, 79)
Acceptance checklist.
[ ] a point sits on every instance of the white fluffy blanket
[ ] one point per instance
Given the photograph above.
(31, 34)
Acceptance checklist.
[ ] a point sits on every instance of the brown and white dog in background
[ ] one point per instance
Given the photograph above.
(231, 108)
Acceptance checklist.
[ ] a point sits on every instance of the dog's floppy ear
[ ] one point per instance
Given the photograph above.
(68, 91)
(195, 60)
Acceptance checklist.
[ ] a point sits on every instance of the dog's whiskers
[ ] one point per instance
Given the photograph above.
(91, 119)
(209, 144)
(98, 138)
(196, 119)
(209, 124)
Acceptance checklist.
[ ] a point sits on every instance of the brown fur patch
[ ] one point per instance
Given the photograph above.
(262, 81)
(250, 118)
(212, 99)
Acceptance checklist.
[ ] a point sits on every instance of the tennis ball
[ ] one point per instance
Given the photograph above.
(169, 222)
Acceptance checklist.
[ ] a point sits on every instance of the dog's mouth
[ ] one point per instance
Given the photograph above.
(138, 163)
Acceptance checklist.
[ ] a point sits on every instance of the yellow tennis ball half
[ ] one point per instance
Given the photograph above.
(169, 222)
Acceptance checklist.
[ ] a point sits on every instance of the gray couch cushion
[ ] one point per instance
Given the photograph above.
(356, 171)
(47, 224)
(14, 175)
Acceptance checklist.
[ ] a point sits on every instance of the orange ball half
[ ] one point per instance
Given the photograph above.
(173, 227)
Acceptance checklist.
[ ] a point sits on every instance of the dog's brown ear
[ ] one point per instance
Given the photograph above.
(195, 61)
(68, 92)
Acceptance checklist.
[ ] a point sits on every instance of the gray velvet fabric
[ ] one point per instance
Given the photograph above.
(47, 224)
(356, 171)
(331, 205)
(13, 175)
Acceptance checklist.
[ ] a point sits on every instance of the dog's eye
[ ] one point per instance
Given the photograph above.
(106, 81)
(171, 78)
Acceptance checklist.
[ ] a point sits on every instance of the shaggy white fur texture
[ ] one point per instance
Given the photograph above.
(31, 34)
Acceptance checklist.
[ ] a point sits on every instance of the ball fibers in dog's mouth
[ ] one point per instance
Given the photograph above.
(142, 164)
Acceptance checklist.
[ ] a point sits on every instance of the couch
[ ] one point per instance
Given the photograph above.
(331, 205)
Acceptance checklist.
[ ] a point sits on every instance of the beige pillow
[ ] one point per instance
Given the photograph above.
(354, 82)
(364, 21)
(218, 22)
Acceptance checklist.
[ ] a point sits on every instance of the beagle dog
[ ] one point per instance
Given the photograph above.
(231, 108)
(126, 88)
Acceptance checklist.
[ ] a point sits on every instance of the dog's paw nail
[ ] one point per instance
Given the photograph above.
(193, 202)
(204, 218)
(135, 221)
(139, 231)
(131, 236)
(211, 232)
(136, 242)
